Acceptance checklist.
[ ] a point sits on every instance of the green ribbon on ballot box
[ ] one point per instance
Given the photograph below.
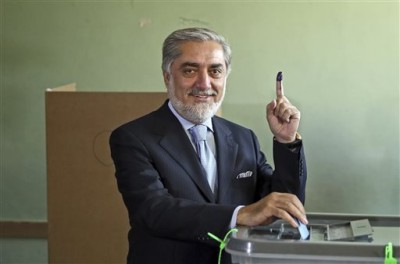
(222, 243)
(389, 259)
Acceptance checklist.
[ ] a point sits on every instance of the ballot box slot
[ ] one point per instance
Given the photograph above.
(357, 230)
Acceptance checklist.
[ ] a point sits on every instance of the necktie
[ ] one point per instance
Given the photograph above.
(206, 156)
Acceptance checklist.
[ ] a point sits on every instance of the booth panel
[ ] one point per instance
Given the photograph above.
(87, 220)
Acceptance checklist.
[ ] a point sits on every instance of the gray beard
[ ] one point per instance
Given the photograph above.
(194, 113)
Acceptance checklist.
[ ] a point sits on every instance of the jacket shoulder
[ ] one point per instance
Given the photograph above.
(152, 118)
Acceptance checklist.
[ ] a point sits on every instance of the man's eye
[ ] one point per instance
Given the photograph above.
(217, 72)
(189, 71)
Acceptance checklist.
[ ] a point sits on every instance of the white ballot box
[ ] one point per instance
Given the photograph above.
(334, 238)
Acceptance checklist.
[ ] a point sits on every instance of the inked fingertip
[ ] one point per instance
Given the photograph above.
(279, 76)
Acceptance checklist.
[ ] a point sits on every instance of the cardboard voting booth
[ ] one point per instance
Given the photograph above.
(87, 220)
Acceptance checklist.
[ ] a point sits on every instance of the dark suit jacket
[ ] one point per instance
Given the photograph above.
(170, 204)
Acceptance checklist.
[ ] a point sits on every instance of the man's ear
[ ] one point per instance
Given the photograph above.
(167, 77)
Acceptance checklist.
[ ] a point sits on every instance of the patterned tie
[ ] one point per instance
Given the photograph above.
(206, 156)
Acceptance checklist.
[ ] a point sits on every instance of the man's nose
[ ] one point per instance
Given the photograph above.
(203, 80)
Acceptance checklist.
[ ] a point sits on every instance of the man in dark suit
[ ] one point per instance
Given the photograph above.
(172, 201)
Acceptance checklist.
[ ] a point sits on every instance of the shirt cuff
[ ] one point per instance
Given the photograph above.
(234, 216)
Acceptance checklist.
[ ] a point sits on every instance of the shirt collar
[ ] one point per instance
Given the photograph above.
(187, 124)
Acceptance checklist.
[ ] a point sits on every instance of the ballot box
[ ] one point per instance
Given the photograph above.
(333, 238)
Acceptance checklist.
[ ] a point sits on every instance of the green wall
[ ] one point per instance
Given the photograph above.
(341, 68)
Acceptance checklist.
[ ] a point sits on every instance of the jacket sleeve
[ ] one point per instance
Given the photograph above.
(290, 172)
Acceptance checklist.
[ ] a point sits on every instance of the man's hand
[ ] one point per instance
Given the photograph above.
(283, 117)
(275, 205)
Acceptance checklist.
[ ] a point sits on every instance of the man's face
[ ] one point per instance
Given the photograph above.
(196, 81)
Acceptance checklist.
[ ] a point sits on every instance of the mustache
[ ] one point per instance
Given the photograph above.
(208, 92)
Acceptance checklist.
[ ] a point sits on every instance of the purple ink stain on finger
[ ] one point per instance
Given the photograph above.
(279, 77)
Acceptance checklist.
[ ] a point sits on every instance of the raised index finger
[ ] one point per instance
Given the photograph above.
(279, 85)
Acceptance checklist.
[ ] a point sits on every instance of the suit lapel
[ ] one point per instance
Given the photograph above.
(227, 150)
(176, 142)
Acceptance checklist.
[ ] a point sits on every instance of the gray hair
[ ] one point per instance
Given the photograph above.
(171, 47)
